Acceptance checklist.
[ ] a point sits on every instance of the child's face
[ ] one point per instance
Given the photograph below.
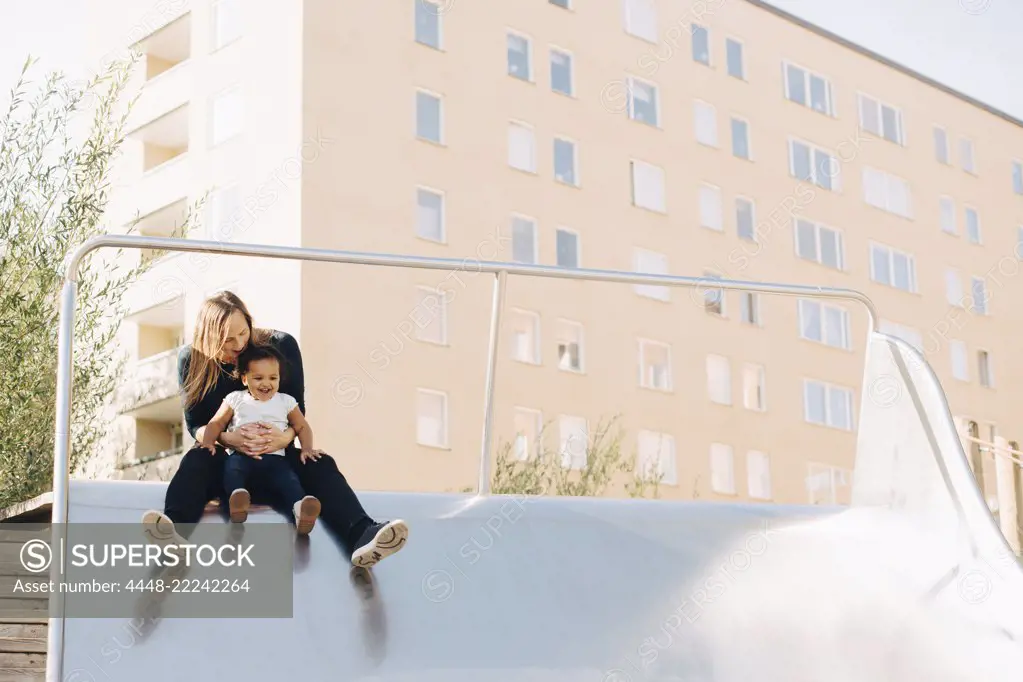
(263, 378)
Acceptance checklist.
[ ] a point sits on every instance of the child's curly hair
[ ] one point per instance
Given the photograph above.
(259, 352)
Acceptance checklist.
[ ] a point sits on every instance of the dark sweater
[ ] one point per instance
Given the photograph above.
(292, 381)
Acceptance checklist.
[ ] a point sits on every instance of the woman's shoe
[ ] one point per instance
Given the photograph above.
(239, 505)
(380, 541)
(159, 529)
(307, 510)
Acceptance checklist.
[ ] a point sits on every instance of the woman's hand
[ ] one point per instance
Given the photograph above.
(271, 437)
(250, 439)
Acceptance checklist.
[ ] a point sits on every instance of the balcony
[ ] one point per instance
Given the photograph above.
(165, 78)
(163, 185)
(150, 389)
(162, 95)
(163, 139)
(164, 222)
(158, 297)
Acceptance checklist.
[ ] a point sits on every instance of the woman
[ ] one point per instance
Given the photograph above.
(206, 373)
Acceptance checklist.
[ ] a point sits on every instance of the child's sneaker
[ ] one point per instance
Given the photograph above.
(159, 529)
(306, 512)
(239, 505)
(380, 540)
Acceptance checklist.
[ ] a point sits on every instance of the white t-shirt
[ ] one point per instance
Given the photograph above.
(248, 410)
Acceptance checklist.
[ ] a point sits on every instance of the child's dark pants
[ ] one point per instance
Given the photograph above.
(271, 473)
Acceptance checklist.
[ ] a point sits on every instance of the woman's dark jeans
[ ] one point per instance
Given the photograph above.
(200, 478)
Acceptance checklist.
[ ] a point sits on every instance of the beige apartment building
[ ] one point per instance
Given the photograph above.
(718, 138)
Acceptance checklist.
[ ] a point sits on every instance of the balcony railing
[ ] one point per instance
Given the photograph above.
(151, 380)
(166, 184)
(159, 291)
(162, 94)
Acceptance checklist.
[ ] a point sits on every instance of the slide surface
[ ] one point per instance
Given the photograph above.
(913, 582)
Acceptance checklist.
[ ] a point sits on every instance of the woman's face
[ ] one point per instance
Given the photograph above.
(237, 338)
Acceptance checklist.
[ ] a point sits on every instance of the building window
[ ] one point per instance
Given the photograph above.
(519, 63)
(525, 328)
(701, 44)
(574, 441)
(641, 19)
(528, 424)
(984, 374)
(570, 346)
(814, 165)
(521, 147)
(657, 457)
(978, 291)
(827, 405)
(966, 159)
(758, 475)
(892, 268)
(643, 104)
(432, 418)
(430, 215)
(567, 244)
(972, 225)
(710, 207)
(824, 323)
(887, 192)
(524, 246)
(561, 72)
(740, 139)
(881, 119)
(226, 18)
(960, 365)
(430, 315)
(947, 213)
(713, 298)
(565, 157)
(719, 380)
(744, 219)
(820, 244)
(1017, 177)
(651, 263)
(750, 308)
(754, 379)
(648, 186)
(736, 63)
(953, 287)
(706, 124)
(226, 119)
(827, 484)
(428, 117)
(941, 145)
(655, 365)
(722, 469)
(808, 89)
(428, 17)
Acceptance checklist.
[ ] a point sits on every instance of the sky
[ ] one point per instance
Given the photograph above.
(969, 45)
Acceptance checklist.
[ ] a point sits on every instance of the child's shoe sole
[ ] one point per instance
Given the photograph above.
(239, 505)
(308, 512)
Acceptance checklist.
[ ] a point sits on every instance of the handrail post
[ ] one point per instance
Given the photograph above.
(483, 487)
(61, 476)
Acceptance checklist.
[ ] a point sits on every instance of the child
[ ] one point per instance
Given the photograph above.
(260, 370)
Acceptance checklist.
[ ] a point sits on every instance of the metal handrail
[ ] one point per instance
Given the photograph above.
(62, 433)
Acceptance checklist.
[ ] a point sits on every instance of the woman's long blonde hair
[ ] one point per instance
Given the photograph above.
(210, 332)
